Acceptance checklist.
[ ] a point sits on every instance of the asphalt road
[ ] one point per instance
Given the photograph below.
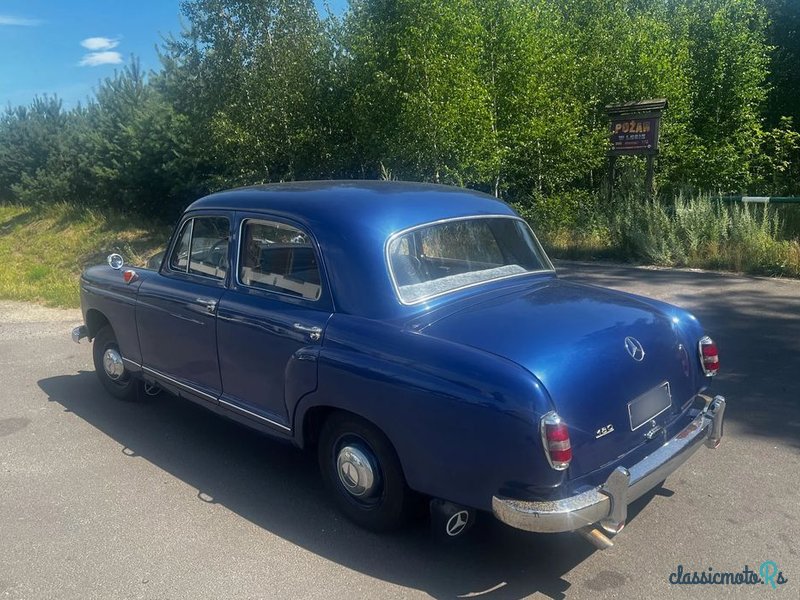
(101, 499)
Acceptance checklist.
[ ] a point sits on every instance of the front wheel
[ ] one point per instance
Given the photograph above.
(111, 371)
(361, 469)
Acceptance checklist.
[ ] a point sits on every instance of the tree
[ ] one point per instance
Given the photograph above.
(419, 104)
(253, 79)
(30, 136)
(783, 34)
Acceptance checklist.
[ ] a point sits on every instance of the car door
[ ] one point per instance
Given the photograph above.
(176, 310)
(272, 320)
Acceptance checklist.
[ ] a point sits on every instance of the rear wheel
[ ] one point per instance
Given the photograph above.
(361, 470)
(111, 371)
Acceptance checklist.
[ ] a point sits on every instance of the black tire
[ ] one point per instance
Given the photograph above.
(126, 387)
(390, 504)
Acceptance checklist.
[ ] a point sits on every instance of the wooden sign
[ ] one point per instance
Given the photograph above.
(634, 134)
(634, 127)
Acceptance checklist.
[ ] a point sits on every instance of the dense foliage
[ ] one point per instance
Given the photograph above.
(506, 96)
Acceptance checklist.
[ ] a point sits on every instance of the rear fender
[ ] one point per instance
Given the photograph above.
(464, 423)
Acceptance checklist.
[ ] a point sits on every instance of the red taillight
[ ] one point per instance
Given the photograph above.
(555, 439)
(709, 356)
(129, 276)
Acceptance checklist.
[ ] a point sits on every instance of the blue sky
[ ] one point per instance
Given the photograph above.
(66, 47)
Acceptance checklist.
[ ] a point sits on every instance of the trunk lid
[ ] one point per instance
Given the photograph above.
(573, 339)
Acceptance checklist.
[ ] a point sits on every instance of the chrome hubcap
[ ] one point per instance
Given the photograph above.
(112, 363)
(356, 471)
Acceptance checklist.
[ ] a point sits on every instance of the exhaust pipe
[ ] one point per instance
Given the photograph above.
(595, 537)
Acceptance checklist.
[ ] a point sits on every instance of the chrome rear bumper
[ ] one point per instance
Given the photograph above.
(608, 504)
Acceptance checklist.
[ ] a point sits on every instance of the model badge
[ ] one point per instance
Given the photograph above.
(604, 431)
(634, 348)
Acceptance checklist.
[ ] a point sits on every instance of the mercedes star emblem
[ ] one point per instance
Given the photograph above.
(634, 348)
(457, 522)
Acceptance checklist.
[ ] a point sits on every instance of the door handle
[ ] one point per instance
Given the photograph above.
(209, 303)
(313, 332)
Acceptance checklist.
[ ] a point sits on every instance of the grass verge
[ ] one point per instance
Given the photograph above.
(44, 249)
(683, 232)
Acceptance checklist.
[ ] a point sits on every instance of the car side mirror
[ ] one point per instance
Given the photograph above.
(115, 261)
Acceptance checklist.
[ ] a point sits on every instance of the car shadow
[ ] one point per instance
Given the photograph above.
(756, 323)
(277, 487)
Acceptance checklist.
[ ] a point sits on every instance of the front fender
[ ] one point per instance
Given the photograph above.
(106, 297)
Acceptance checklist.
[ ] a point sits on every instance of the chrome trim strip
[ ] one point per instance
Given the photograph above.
(238, 408)
(180, 384)
(598, 504)
(397, 234)
(133, 362)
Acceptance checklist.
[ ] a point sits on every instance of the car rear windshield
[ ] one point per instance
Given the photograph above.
(434, 259)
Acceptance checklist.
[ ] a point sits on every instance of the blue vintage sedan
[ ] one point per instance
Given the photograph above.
(418, 337)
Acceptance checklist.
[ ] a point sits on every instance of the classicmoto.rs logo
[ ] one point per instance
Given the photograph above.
(767, 574)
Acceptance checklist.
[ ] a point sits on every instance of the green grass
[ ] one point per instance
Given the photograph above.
(44, 249)
(683, 232)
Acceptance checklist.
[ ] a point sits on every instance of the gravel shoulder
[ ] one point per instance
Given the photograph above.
(25, 312)
(25, 320)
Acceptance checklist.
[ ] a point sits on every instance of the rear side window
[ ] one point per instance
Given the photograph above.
(202, 248)
(279, 258)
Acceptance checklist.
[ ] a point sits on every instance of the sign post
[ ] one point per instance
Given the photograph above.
(635, 128)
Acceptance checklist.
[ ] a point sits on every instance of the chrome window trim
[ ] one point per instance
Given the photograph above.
(175, 244)
(204, 278)
(268, 221)
(402, 232)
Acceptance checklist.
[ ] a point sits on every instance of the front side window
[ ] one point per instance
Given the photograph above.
(279, 258)
(202, 248)
(434, 259)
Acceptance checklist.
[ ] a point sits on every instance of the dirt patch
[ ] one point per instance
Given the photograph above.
(24, 312)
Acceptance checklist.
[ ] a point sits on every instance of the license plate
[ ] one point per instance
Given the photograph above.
(649, 405)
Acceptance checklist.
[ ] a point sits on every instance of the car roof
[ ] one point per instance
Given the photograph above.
(351, 202)
(351, 221)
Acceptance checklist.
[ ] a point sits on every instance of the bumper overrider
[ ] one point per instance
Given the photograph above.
(607, 504)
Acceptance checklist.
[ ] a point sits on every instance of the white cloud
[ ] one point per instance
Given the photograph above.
(96, 44)
(95, 59)
(19, 21)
